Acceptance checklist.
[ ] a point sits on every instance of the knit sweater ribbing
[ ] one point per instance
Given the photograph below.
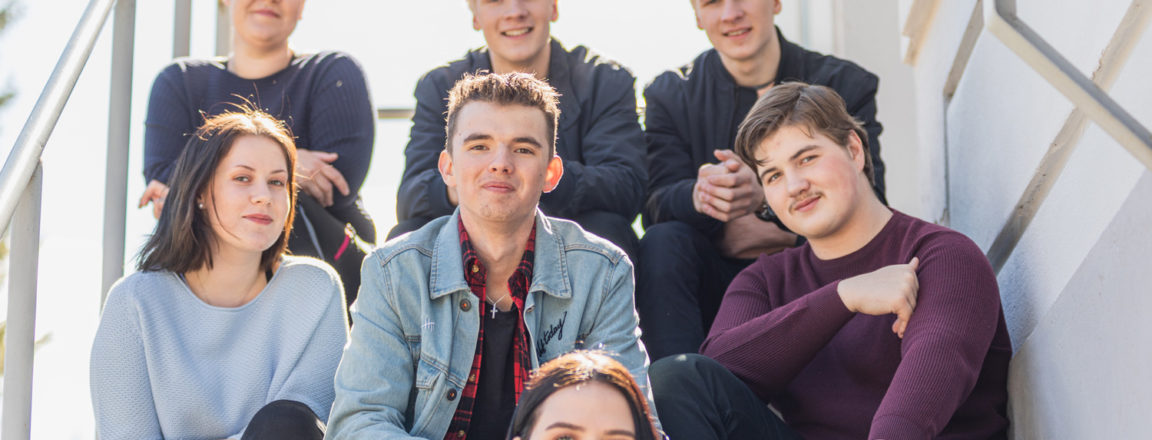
(832, 373)
(167, 365)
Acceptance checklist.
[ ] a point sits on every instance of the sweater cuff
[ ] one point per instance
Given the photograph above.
(826, 301)
(895, 428)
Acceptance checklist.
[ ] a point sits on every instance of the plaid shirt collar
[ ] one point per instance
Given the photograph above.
(476, 276)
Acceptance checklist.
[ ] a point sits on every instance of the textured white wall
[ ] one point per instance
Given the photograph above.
(1077, 286)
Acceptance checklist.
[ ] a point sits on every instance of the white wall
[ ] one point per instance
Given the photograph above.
(1077, 284)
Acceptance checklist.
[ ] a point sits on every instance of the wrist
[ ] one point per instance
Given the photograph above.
(842, 292)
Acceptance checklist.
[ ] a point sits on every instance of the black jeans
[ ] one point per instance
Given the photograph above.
(699, 399)
(611, 226)
(680, 282)
(284, 419)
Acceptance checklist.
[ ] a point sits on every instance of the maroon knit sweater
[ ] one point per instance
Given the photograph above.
(835, 374)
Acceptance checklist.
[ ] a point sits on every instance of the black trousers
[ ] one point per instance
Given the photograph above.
(284, 419)
(340, 237)
(699, 399)
(611, 226)
(680, 282)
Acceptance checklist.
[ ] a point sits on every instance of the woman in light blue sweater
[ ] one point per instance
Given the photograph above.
(219, 334)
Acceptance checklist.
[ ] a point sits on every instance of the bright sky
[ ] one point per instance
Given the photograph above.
(395, 41)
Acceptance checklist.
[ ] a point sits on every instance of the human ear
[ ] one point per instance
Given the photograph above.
(553, 173)
(856, 149)
(555, 10)
(776, 9)
(445, 166)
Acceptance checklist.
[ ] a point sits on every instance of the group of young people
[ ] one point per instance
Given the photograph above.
(772, 295)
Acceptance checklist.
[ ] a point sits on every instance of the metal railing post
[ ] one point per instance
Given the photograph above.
(223, 29)
(182, 28)
(119, 124)
(21, 331)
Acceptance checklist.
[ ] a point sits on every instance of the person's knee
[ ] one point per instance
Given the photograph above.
(668, 235)
(284, 419)
(612, 227)
(671, 374)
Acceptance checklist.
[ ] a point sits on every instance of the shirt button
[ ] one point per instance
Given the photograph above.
(452, 394)
(465, 305)
(472, 377)
(461, 433)
(475, 268)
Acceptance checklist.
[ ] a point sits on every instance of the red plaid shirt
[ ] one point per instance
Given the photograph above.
(476, 275)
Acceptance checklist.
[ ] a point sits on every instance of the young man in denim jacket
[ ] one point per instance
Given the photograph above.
(452, 317)
(599, 134)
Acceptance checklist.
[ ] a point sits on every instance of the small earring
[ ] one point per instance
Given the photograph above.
(200, 205)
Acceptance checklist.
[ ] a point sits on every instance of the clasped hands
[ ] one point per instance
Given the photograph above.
(314, 172)
(728, 191)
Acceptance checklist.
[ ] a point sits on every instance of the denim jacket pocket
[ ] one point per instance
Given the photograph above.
(429, 387)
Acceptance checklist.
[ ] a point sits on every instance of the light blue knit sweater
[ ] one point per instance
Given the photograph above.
(167, 365)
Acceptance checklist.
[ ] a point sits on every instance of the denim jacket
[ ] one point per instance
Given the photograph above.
(416, 324)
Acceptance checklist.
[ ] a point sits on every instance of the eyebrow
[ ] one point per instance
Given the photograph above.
(281, 170)
(566, 425)
(794, 156)
(527, 140)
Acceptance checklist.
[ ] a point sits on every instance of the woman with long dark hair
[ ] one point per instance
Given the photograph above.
(219, 333)
(323, 97)
(583, 395)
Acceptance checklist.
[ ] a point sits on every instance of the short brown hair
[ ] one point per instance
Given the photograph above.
(183, 237)
(574, 369)
(813, 109)
(504, 89)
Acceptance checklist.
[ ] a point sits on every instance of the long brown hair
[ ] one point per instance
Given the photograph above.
(576, 368)
(183, 238)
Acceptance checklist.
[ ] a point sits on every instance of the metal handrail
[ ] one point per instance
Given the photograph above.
(1088, 97)
(1063, 75)
(29, 145)
(21, 194)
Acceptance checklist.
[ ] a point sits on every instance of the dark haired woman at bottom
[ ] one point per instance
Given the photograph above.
(220, 334)
(582, 395)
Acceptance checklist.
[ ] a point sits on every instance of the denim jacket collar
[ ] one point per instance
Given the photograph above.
(550, 266)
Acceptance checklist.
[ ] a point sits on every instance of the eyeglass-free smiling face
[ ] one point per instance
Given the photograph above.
(812, 183)
(517, 31)
(500, 161)
(740, 30)
(247, 201)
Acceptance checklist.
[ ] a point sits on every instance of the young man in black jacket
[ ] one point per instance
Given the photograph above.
(600, 139)
(705, 213)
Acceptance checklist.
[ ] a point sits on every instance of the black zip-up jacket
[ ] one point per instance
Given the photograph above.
(691, 112)
(599, 137)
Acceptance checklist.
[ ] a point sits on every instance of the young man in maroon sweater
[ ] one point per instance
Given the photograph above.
(811, 331)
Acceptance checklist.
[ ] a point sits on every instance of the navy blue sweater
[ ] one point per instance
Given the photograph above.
(323, 98)
(692, 111)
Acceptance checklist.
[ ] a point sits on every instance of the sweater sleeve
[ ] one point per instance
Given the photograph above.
(749, 332)
(612, 174)
(671, 171)
(948, 336)
(167, 125)
(341, 121)
(311, 379)
(422, 191)
(118, 370)
(376, 376)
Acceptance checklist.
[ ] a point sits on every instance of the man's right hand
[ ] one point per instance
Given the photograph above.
(888, 290)
(155, 194)
(727, 190)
